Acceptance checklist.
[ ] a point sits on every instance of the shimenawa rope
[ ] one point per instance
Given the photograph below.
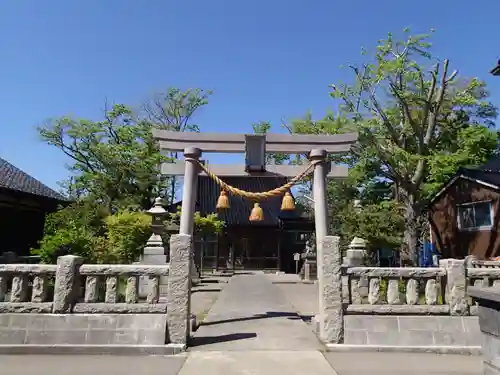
(256, 196)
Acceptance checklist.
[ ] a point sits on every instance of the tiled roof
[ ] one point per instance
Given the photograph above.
(239, 211)
(492, 165)
(13, 178)
(490, 177)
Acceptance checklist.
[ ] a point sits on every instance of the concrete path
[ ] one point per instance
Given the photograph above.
(253, 329)
(253, 314)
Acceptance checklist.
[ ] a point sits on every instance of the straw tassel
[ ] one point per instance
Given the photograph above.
(223, 201)
(287, 204)
(257, 214)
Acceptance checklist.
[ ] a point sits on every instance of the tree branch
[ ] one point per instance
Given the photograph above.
(378, 108)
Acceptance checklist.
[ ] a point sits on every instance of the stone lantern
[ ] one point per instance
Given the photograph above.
(355, 253)
(158, 214)
(154, 251)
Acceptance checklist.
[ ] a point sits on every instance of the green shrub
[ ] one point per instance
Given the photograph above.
(73, 229)
(87, 230)
(127, 233)
(71, 240)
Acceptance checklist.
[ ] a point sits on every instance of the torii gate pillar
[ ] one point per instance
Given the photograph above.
(320, 210)
(189, 191)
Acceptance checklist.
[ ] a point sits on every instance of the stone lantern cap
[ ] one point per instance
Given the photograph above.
(357, 244)
(157, 209)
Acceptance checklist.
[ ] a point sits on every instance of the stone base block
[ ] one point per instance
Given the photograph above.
(328, 327)
(460, 350)
(148, 350)
(83, 329)
(372, 330)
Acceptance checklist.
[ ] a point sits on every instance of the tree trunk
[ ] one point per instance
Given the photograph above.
(409, 253)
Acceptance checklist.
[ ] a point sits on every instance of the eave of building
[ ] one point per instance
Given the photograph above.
(454, 179)
(495, 71)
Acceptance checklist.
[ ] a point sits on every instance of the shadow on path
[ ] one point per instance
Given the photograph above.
(267, 315)
(207, 340)
(208, 290)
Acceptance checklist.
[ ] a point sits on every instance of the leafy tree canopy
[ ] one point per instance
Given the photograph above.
(116, 160)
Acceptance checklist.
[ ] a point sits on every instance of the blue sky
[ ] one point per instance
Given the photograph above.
(264, 59)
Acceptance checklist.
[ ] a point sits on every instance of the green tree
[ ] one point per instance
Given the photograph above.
(416, 125)
(174, 110)
(380, 224)
(116, 161)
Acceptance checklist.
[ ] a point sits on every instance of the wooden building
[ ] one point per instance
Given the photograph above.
(24, 203)
(266, 245)
(464, 215)
(496, 70)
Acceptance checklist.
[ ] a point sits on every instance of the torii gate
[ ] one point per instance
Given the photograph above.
(255, 146)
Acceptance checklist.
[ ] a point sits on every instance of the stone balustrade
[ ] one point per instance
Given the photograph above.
(395, 291)
(29, 288)
(24, 288)
(69, 306)
(418, 291)
(111, 277)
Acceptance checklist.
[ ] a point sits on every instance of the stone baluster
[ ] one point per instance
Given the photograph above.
(92, 284)
(19, 291)
(111, 289)
(154, 290)
(40, 288)
(131, 290)
(496, 283)
(355, 292)
(484, 282)
(393, 292)
(431, 292)
(374, 291)
(412, 292)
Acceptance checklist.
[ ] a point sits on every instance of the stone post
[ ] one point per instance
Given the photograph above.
(179, 290)
(331, 317)
(307, 271)
(456, 280)
(320, 210)
(189, 195)
(67, 283)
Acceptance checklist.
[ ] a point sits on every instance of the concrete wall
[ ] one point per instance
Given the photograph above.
(411, 330)
(83, 329)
